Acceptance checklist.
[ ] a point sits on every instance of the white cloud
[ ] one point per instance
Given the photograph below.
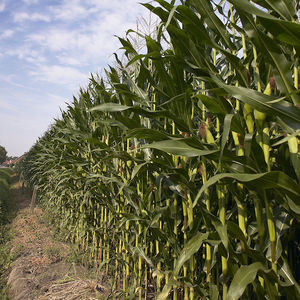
(77, 47)
(55, 39)
(70, 11)
(93, 41)
(67, 60)
(126, 5)
(2, 6)
(30, 2)
(9, 79)
(28, 54)
(6, 34)
(61, 75)
(80, 9)
(24, 16)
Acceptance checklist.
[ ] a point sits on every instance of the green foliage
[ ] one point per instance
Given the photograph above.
(178, 174)
(6, 257)
(3, 153)
(6, 207)
(5, 174)
(5, 180)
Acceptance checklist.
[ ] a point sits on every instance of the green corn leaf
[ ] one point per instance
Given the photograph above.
(287, 275)
(137, 169)
(110, 107)
(247, 7)
(222, 231)
(216, 105)
(269, 180)
(284, 110)
(285, 139)
(210, 18)
(147, 134)
(244, 276)
(191, 247)
(284, 8)
(225, 134)
(114, 108)
(179, 147)
(142, 254)
(271, 50)
(285, 31)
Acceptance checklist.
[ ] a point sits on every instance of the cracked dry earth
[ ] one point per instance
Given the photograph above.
(40, 270)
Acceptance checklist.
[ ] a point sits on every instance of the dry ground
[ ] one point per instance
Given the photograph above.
(40, 269)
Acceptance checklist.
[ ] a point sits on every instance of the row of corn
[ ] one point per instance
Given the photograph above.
(177, 173)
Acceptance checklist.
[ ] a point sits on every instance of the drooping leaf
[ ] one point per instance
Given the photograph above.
(244, 276)
(284, 110)
(148, 134)
(269, 180)
(178, 147)
(191, 247)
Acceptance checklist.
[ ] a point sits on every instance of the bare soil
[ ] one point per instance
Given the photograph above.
(40, 269)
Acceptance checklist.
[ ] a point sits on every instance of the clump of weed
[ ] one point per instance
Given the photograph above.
(53, 252)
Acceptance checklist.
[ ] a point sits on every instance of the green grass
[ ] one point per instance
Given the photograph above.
(8, 210)
(6, 258)
(4, 193)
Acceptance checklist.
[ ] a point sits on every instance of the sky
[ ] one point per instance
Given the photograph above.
(48, 49)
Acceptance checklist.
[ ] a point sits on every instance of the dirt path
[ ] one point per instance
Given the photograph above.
(40, 269)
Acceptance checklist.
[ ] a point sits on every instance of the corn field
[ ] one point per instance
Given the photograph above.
(178, 172)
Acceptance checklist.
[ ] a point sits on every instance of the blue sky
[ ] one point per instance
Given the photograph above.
(47, 51)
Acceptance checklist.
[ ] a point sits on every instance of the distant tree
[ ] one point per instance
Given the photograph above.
(11, 157)
(3, 153)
